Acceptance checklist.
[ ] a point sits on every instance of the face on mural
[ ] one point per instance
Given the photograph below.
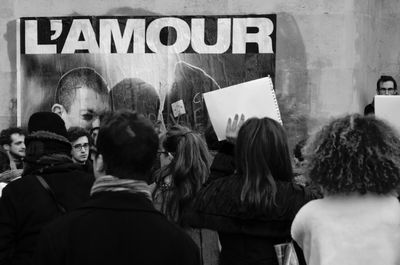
(85, 110)
(387, 88)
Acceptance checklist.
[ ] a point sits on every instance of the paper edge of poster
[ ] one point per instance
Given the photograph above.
(212, 120)
(19, 96)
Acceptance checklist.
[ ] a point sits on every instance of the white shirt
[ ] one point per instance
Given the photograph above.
(2, 185)
(349, 230)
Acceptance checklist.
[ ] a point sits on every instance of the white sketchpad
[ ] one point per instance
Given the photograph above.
(388, 108)
(253, 99)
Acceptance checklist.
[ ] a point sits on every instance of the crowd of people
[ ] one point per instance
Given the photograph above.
(133, 195)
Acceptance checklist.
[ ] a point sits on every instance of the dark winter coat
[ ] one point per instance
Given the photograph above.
(247, 234)
(206, 240)
(115, 228)
(370, 108)
(25, 207)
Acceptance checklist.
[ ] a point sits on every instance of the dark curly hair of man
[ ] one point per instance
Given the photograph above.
(355, 154)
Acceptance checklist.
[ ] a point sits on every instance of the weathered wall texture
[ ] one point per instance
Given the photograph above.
(329, 53)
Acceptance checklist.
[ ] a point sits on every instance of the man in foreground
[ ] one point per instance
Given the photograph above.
(119, 224)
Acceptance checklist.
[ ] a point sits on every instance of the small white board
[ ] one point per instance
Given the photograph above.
(388, 108)
(253, 99)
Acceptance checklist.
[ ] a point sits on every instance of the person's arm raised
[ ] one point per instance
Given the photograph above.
(233, 127)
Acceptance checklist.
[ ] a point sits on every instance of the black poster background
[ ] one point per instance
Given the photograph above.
(174, 76)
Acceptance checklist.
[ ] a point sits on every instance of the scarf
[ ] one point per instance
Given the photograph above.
(45, 162)
(111, 183)
(10, 175)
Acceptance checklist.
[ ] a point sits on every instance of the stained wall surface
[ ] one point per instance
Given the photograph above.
(329, 53)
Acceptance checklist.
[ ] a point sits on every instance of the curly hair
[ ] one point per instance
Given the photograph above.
(355, 154)
(5, 135)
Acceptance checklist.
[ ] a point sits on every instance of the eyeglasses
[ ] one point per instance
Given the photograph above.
(382, 89)
(80, 146)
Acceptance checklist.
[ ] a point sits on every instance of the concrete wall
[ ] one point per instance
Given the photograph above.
(329, 53)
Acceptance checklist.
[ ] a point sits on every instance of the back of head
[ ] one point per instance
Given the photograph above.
(262, 158)
(128, 144)
(191, 157)
(76, 78)
(47, 136)
(355, 154)
(189, 168)
(135, 94)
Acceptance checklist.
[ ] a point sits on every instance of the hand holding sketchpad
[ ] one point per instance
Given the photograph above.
(253, 99)
(387, 108)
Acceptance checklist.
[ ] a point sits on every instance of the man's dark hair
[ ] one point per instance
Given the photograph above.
(5, 135)
(385, 78)
(128, 143)
(74, 79)
(74, 133)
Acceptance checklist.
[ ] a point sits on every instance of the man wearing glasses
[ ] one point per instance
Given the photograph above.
(79, 139)
(386, 85)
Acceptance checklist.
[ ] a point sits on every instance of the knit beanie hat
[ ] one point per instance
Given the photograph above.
(47, 135)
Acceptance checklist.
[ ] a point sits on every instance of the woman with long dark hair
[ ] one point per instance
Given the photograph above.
(253, 209)
(178, 182)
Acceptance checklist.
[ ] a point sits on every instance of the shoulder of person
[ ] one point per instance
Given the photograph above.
(309, 209)
(219, 194)
(302, 221)
(290, 193)
(20, 184)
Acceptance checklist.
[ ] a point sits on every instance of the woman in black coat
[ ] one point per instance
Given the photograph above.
(26, 206)
(253, 208)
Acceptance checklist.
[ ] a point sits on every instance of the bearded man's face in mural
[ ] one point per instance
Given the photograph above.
(81, 97)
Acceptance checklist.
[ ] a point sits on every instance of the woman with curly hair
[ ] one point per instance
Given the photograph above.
(253, 208)
(356, 161)
(178, 182)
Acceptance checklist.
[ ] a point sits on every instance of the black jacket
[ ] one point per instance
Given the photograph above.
(247, 234)
(25, 207)
(370, 108)
(4, 161)
(115, 228)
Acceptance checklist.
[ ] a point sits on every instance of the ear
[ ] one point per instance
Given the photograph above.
(61, 111)
(58, 109)
(99, 168)
(6, 147)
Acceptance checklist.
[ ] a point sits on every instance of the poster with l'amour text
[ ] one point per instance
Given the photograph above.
(81, 67)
